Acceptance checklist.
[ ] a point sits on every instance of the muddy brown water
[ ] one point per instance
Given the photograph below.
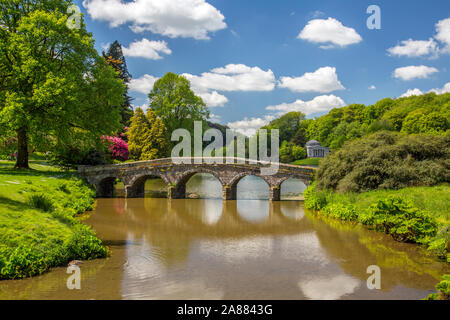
(244, 249)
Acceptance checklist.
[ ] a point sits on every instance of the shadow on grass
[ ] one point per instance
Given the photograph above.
(13, 205)
(9, 170)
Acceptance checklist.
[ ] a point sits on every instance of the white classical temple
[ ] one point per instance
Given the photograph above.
(315, 150)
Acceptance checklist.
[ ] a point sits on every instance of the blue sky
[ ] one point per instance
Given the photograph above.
(253, 60)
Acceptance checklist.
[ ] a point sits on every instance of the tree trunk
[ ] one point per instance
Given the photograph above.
(22, 152)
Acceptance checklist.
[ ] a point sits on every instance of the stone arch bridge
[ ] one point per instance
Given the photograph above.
(134, 175)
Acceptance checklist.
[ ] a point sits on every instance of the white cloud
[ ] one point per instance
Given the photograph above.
(322, 80)
(249, 127)
(331, 32)
(214, 117)
(414, 72)
(372, 87)
(147, 49)
(444, 89)
(213, 99)
(415, 48)
(172, 18)
(443, 33)
(412, 92)
(418, 92)
(318, 104)
(233, 77)
(143, 84)
(105, 46)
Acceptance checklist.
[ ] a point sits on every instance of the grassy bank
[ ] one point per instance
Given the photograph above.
(39, 228)
(308, 162)
(416, 214)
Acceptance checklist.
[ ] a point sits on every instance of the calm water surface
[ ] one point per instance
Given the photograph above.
(244, 249)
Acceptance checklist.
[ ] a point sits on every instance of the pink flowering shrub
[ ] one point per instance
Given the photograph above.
(117, 147)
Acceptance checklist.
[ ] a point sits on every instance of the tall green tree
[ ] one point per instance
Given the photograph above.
(114, 57)
(176, 104)
(146, 136)
(288, 124)
(53, 83)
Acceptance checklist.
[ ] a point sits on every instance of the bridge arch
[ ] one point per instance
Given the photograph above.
(235, 180)
(136, 185)
(230, 193)
(105, 185)
(297, 187)
(178, 189)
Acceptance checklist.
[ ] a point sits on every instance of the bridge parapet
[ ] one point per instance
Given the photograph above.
(229, 171)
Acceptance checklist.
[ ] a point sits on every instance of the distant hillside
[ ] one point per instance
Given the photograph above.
(429, 114)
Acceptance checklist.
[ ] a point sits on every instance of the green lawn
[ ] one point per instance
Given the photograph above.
(35, 237)
(308, 162)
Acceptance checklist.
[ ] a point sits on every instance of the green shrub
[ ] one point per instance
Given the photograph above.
(85, 245)
(401, 220)
(21, 263)
(440, 245)
(314, 199)
(40, 201)
(443, 288)
(340, 211)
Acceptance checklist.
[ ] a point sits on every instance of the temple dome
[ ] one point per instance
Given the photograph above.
(312, 143)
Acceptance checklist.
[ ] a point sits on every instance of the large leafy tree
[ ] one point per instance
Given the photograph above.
(176, 104)
(53, 83)
(114, 57)
(146, 136)
(288, 125)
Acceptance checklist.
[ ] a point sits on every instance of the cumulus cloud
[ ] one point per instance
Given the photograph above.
(330, 32)
(234, 77)
(372, 87)
(423, 48)
(147, 49)
(143, 84)
(443, 34)
(318, 104)
(412, 92)
(249, 127)
(172, 18)
(444, 89)
(414, 72)
(214, 117)
(418, 92)
(415, 48)
(322, 80)
(213, 99)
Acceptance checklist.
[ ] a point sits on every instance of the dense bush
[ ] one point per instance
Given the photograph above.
(71, 157)
(387, 160)
(85, 245)
(290, 152)
(117, 147)
(443, 289)
(401, 220)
